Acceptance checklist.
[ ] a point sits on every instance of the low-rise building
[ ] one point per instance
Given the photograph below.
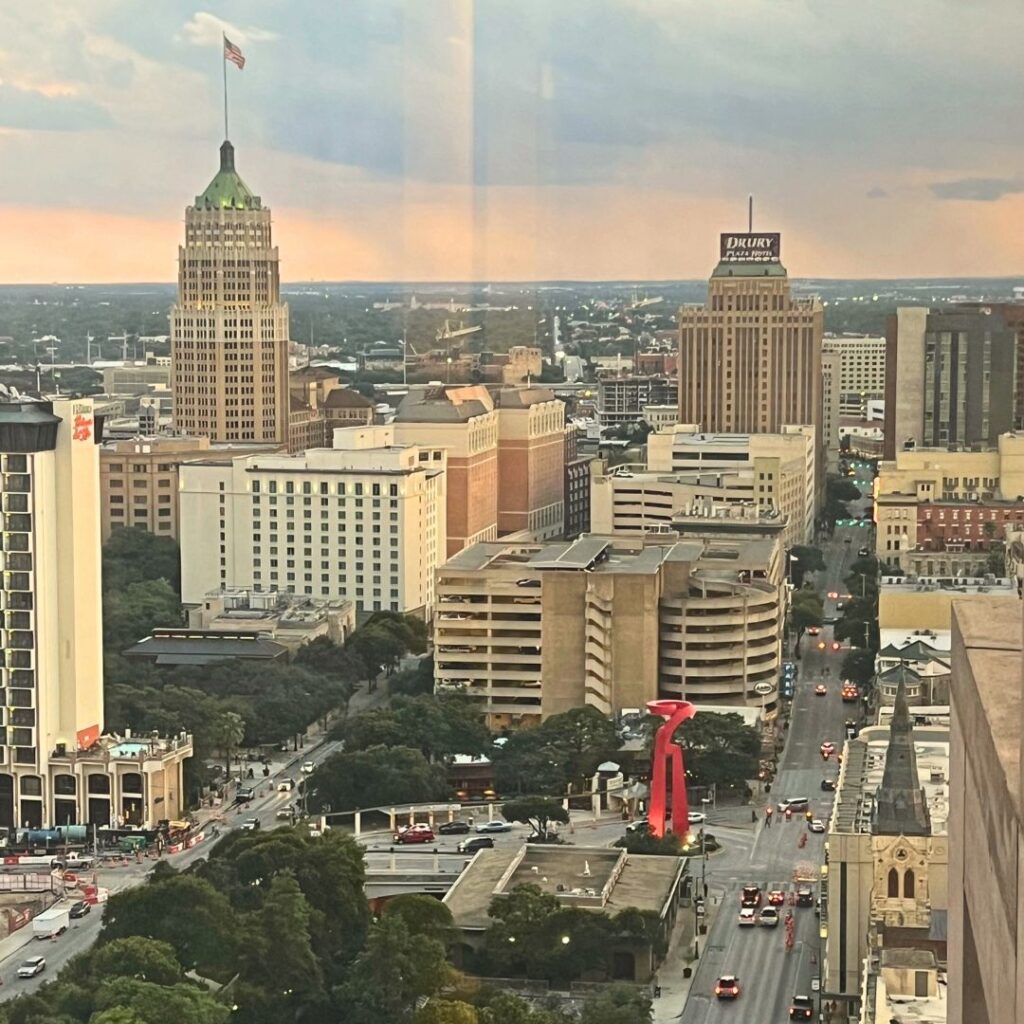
(660, 417)
(623, 399)
(289, 619)
(924, 603)
(363, 521)
(174, 646)
(531, 630)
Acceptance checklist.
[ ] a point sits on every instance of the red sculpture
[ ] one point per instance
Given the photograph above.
(675, 712)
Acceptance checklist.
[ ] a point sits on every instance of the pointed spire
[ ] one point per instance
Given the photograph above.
(900, 805)
(227, 157)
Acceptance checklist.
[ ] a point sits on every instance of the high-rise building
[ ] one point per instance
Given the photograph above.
(830, 405)
(55, 768)
(229, 327)
(861, 370)
(576, 485)
(363, 521)
(623, 399)
(750, 356)
(950, 378)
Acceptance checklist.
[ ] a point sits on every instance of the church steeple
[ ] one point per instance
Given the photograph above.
(900, 805)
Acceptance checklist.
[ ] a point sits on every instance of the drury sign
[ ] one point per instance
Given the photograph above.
(750, 248)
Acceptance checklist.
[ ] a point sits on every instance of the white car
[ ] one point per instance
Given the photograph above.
(32, 966)
(748, 916)
(308, 767)
(696, 818)
(816, 825)
(285, 786)
(494, 826)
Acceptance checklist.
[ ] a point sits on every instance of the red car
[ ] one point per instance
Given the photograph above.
(802, 1008)
(415, 834)
(750, 896)
(776, 897)
(728, 987)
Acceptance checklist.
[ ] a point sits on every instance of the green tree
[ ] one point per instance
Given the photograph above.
(135, 957)
(505, 1008)
(447, 1011)
(422, 915)
(620, 1004)
(538, 811)
(136, 610)
(183, 911)
(859, 666)
(720, 750)
(805, 609)
(804, 559)
(225, 732)
(134, 556)
(376, 777)
(667, 845)
(156, 1004)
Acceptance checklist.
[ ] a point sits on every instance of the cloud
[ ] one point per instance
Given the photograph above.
(40, 110)
(204, 29)
(981, 190)
(877, 193)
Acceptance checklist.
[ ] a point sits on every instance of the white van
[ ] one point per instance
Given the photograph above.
(794, 803)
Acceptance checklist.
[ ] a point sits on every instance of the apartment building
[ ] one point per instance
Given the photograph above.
(750, 355)
(950, 378)
(363, 521)
(55, 767)
(861, 370)
(526, 630)
(986, 816)
(947, 508)
(531, 462)
(229, 327)
(576, 486)
(463, 421)
(623, 399)
(782, 467)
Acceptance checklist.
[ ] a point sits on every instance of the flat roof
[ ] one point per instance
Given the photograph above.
(199, 647)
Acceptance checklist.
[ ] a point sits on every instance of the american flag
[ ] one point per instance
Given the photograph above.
(233, 54)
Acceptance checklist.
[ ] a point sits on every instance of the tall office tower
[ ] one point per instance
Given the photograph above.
(229, 328)
(950, 378)
(750, 356)
(831, 363)
(50, 597)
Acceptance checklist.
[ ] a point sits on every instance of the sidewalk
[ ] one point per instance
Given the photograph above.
(674, 987)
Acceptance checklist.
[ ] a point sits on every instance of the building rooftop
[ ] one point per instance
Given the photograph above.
(592, 878)
(227, 191)
(205, 647)
(346, 398)
(995, 585)
(444, 404)
(916, 644)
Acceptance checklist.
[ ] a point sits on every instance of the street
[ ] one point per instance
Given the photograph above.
(768, 975)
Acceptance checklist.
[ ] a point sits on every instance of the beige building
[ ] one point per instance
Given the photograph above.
(319, 403)
(926, 603)
(229, 328)
(885, 885)
(660, 417)
(55, 768)
(463, 421)
(929, 475)
(531, 462)
(363, 521)
(830, 408)
(750, 356)
(861, 369)
(986, 821)
(526, 630)
(782, 467)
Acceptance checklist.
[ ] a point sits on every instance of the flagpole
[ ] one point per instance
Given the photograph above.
(224, 68)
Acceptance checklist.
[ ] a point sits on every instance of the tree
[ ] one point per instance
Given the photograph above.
(376, 777)
(538, 811)
(859, 666)
(133, 612)
(838, 488)
(804, 559)
(133, 556)
(505, 1008)
(421, 915)
(157, 1004)
(620, 1004)
(135, 957)
(667, 845)
(226, 731)
(447, 1011)
(720, 750)
(805, 609)
(995, 561)
(183, 911)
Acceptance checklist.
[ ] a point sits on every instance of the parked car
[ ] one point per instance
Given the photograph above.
(697, 818)
(420, 833)
(494, 826)
(32, 966)
(80, 909)
(475, 843)
(453, 828)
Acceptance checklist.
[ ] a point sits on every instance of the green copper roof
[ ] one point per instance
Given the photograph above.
(227, 190)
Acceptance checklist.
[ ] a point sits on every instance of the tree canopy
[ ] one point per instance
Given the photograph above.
(720, 750)
(377, 776)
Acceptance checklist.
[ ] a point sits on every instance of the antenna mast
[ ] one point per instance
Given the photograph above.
(750, 214)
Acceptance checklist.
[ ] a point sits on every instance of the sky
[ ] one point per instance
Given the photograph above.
(518, 139)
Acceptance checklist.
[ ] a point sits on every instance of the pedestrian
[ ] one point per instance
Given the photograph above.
(753, 816)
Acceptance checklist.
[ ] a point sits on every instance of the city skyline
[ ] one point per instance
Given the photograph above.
(458, 141)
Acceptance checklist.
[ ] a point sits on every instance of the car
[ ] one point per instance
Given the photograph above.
(747, 916)
(727, 987)
(286, 785)
(769, 917)
(494, 826)
(793, 803)
(251, 825)
(80, 909)
(813, 630)
(285, 812)
(420, 833)
(828, 785)
(850, 694)
(863, 553)
(697, 818)
(244, 795)
(820, 690)
(804, 898)
(32, 966)
(527, 583)
(453, 828)
(802, 1008)
(776, 897)
(641, 825)
(816, 825)
(750, 896)
(475, 843)
(828, 745)
(847, 540)
(308, 768)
